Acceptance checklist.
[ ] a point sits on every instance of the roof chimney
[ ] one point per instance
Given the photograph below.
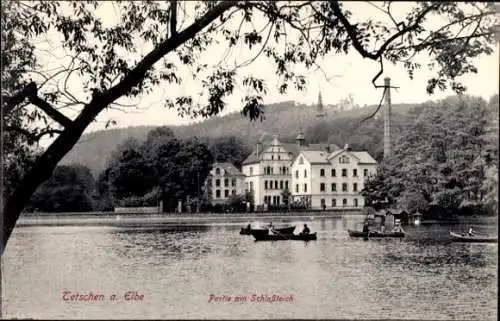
(347, 147)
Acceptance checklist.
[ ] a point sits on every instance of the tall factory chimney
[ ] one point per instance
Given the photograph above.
(387, 118)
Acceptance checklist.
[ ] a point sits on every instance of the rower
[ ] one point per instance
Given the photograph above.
(366, 229)
(305, 230)
(471, 232)
(397, 227)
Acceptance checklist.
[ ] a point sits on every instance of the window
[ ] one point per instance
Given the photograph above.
(296, 188)
(344, 187)
(217, 171)
(217, 193)
(355, 202)
(271, 169)
(334, 187)
(286, 184)
(355, 187)
(344, 160)
(233, 182)
(209, 182)
(276, 184)
(226, 182)
(344, 202)
(217, 182)
(322, 187)
(296, 174)
(279, 157)
(355, 172)
(365, 172)
(334, 173)
(265, 185)
(322, 172)
(226, 193)
(344, 172)
(334, 202)
(281, 184)
(301, 161)
(323, 203)
(305, 173)
(233, 192)
(251, 171)
(251, 186)
(272, 157)
(305, 188)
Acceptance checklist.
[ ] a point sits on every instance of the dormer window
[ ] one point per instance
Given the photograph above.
(217, 171)
(344, 159)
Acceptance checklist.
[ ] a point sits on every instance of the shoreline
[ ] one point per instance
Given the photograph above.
(135, 219)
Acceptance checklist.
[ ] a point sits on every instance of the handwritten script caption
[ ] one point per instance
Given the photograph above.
(70, 296)
(254, 298)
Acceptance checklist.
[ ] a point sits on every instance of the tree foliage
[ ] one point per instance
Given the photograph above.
(163, 167)
(70, 189)
(108, 61)
(439, 159)
(229, 149)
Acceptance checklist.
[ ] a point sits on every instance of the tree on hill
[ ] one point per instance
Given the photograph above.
(110, 65)
(229, 149)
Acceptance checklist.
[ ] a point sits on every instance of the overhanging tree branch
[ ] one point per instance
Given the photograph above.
(46, 163)
(30, 92)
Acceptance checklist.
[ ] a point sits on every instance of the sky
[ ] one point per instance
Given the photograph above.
(340, 76)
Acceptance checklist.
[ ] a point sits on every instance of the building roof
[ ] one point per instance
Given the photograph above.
(315, 156)
(229, 168)
(293, 148)
(363, 157)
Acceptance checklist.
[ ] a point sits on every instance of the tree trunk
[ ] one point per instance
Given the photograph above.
(45, 165)
(43, 168)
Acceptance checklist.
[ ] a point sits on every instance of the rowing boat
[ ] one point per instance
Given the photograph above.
(375, 234)
(285, 237)
(245, 231)
(472, 239)
(284, 230)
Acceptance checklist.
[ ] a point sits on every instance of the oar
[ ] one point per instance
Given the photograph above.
(283, 236)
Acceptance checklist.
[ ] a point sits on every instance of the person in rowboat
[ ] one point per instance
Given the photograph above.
(366, 228)
(305, 230)
(397, 227)
(471, 232)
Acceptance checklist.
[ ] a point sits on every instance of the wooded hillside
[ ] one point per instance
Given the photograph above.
(285, 119)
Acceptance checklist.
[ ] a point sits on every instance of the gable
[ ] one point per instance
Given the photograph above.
(343, 157)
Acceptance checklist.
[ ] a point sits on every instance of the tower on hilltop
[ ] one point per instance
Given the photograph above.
(320, 109)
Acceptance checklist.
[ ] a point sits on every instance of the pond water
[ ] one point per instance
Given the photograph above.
(172, 272)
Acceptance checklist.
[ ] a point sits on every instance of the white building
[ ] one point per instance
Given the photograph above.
(224, 181)
(331, 180)
(267, 168)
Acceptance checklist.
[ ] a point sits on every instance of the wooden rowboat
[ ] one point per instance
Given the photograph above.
(374, 234)
(472, 239)
(284, 230)
(245, 231)
(285, 237)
